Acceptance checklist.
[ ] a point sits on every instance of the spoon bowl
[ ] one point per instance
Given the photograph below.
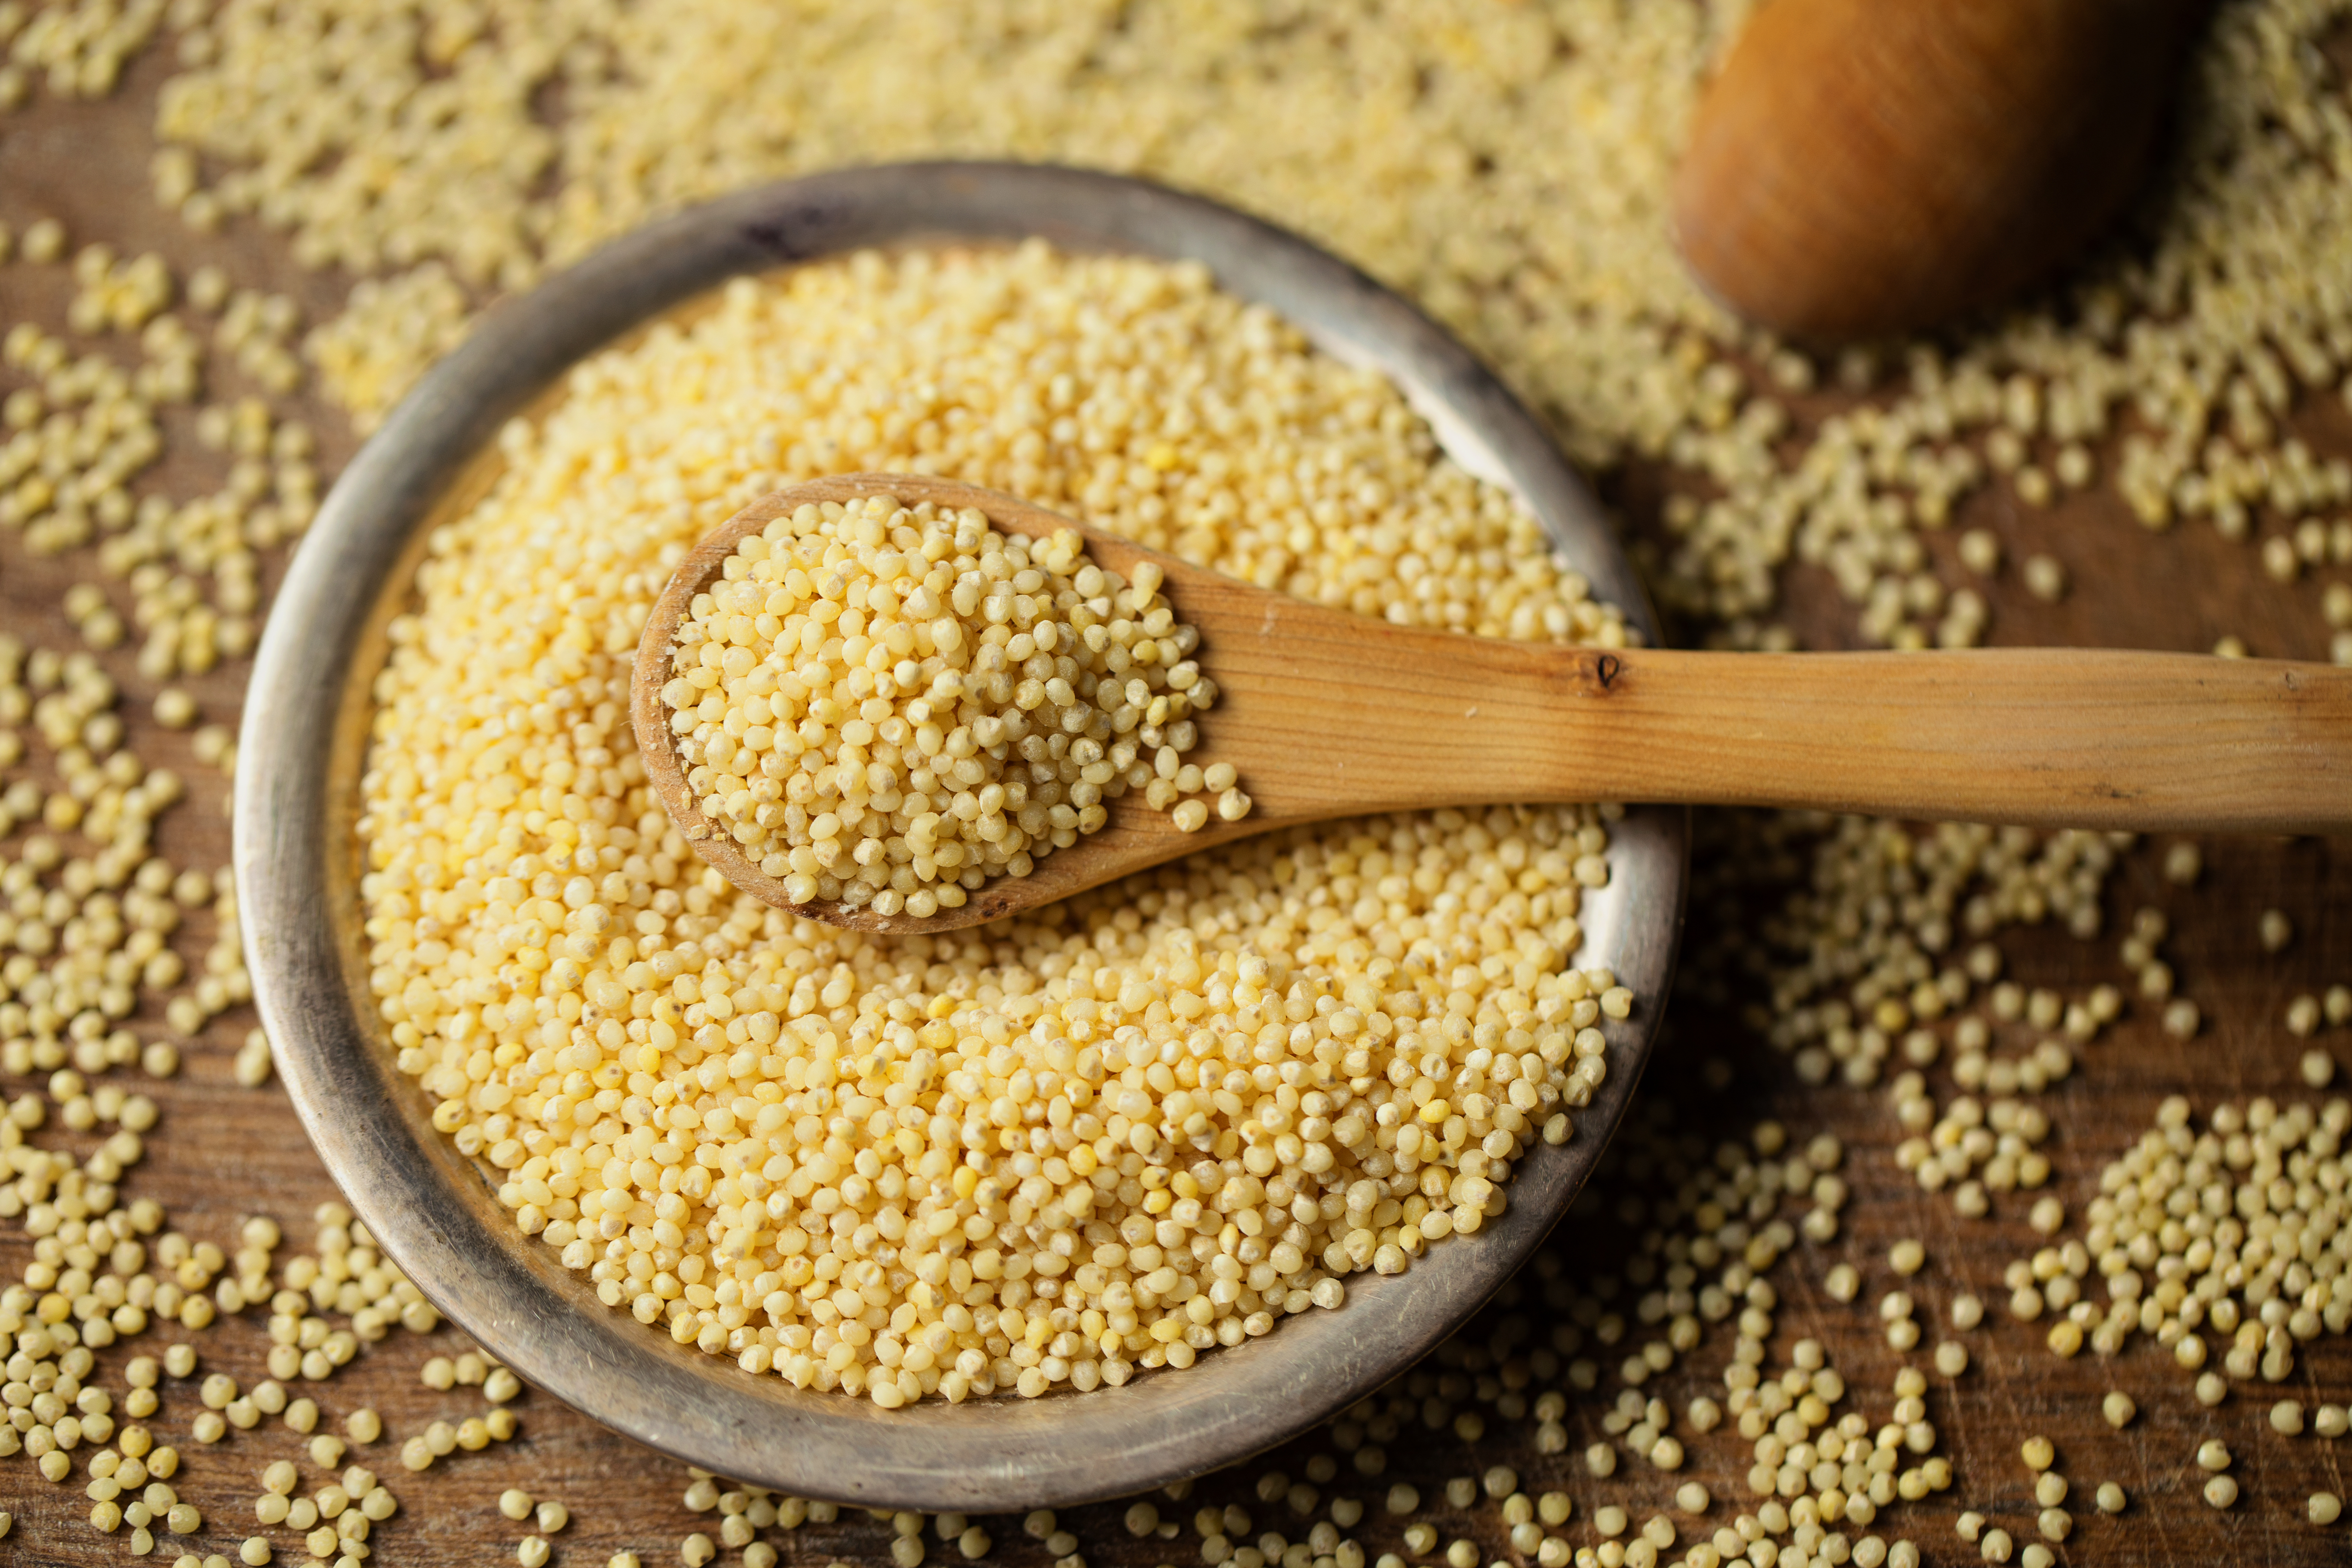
(1134, 838)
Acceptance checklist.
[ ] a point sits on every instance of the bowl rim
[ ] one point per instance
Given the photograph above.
(433, 1211)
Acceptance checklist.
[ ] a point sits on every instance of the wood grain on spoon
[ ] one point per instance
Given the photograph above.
(1327, 715)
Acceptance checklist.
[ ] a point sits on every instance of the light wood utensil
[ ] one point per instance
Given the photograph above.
(1862, 167)
(1326, 714)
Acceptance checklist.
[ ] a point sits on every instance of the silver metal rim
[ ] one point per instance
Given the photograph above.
(433, 1211)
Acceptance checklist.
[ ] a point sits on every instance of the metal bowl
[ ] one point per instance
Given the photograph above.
(434, 1211)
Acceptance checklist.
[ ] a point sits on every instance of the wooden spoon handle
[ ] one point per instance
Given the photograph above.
(2051, 738)
(1328, 714)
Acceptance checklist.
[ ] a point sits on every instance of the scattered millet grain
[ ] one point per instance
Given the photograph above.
(2274, 930)
(44, 241)
(2217, 516)
(2118, 1408)
(2324, 1508)
(2044, 578)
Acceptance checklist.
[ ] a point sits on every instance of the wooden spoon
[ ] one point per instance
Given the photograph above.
(1860, 167)
(1327, 715)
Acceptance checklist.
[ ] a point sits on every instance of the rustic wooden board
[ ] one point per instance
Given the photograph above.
(223, 1152)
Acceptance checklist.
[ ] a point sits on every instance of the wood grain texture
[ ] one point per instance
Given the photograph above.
(1862, 167)
(222, 1152)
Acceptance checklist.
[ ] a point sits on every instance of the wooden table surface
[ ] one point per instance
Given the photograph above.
(222, 1152)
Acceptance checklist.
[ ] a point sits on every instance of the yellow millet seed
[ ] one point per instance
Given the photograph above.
(2274, 930)
(1144, 1124)
(2045, 578)
(888, 706)
(44, 241)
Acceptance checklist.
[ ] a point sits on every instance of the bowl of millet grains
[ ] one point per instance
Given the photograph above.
(1046, 1210)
